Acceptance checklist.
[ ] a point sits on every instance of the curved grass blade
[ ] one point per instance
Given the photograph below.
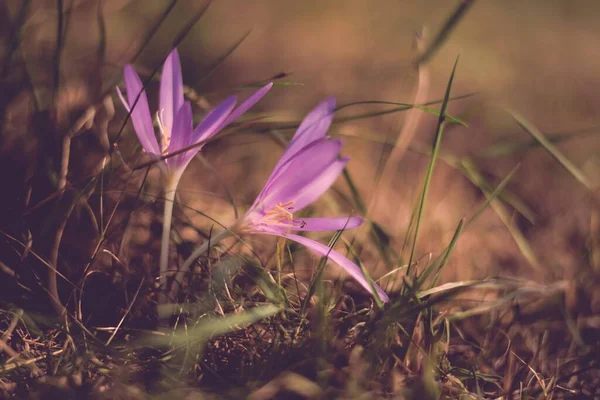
(148, 38)
(405, 107)
(516, 147)
(223, 57)
(450, 24)
(401, 107)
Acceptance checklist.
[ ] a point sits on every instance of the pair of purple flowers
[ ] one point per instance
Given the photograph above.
(308, 167)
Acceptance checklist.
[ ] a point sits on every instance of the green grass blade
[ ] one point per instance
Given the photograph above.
(436, 149)
(447, 253)
(208, 328)
(438, 265)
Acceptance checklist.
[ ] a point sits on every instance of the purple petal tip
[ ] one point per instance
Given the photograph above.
(330, 101)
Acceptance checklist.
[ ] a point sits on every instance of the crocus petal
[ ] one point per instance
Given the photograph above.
(285, 183)
(351, 268)
(181, 132)
(180, 137)
(306, 163)
(213, 121)
(313, 127)
(246, 105)
(171, 89)
(316, 187)
(311, 130)
(140, 112)
(305, 191)
(326, 224)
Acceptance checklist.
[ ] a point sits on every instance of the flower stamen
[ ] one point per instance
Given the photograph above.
(282, 211)
(165, 134)
(280, 215)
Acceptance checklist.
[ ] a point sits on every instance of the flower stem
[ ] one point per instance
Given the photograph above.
(198, 251)
(166, 236)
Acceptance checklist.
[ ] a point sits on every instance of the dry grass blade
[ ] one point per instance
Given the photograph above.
(517, 147)
(550, 148)
(493, 195)
(15, 356)
(480, 284)
(414, 118)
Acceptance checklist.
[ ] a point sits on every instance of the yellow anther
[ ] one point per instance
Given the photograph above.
(280, 213)
(165, 134)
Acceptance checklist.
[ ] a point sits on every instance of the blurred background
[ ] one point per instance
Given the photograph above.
(540, 58)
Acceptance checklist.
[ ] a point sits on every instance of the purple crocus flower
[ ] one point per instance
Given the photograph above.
(174, 117)
(308, 167)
